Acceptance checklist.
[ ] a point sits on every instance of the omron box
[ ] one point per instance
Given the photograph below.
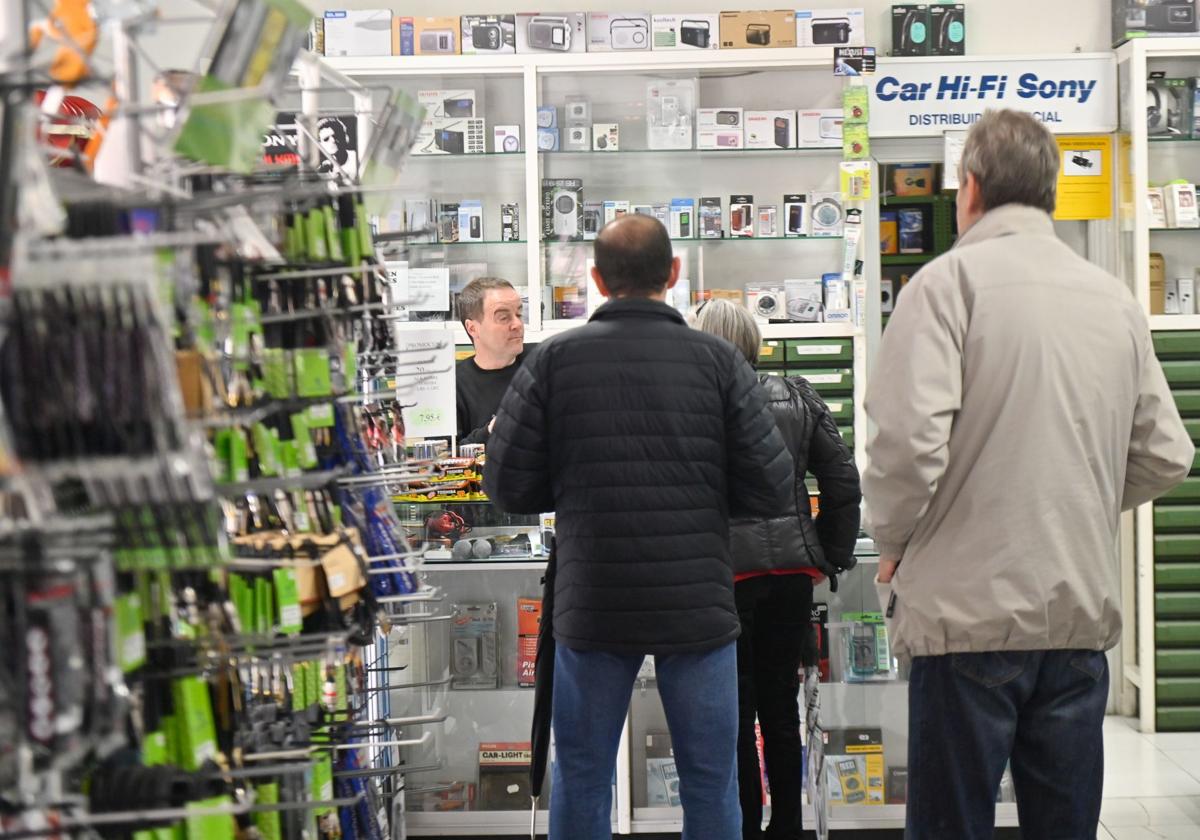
(770, 129)
(436, 36)
(489, 34)
(948, 29)
(686, 32)
(557, 32)
(819, 127)
(623, 32)
(831, 28)
(447, 104)
(361, 32)
(1141, 18)
(742, 30)
(910, 29)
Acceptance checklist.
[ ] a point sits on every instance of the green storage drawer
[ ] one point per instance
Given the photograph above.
(1178, 662)
(773, 371)
(1188, 402)
(1177, 344)
(1188, 491)
(819, 351)
(1182, 373)
(1193, 427)
(1178, 576)
(1175, 518)
(1177, 633)
(1178, 719)
(843, 412)
(772, 353)
(1177, 547)
(826, 381)
(847, 433)
(1177, 605)
(1178, 691)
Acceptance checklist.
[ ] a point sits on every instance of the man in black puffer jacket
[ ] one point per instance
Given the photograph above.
(644, 437)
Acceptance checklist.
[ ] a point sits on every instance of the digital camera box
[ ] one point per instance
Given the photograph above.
(504, 776)
(831, 28)
(620, 32)
(552, 32)
(758, 29)
(489, 34)
(910, 29)
(1153, 18)
(686, 32)
(436, 36)
(562, 209)
(854, 766)
(473, 642)
(361, 32)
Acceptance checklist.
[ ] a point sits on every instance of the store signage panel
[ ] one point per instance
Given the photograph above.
(1071, 95)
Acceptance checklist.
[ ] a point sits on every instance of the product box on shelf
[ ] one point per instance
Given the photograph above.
(454, 103)
(719, 128)
(606, 137)
(1169, 106)
(670, 110)
(489, 34)
(795, 215)
(506, 139)
(470, 221)
(1157, 207)
(615, 210)
(831, 28)
(361, 32)
(554, 32)
(910, 179)
(819, 127)
(948, 29)
(1171, 297)
(910, 29)
(1158, 284)
(618, 32)
(1187, 295)
(562, 204)
(868, 650)
(825, 214)
(820, 624)
(451, 137)
(854, 762)
(889, 232)
(504, 776)
(718, 118)
(837, 298)
(686, 32)
(419, 215)
(447, 222)
(770, 129)
(741, 215)
(683, 218)
(547, 116)
(547, 128)
(593, 219)
(474, 652)
(529, 619)
(1196, 108)
(897, 785)
(1179, 200)
(758, 29)
(768, 221)
(910, 230)
(767, 303)
(1142, 18)
(804, 299)
(710, 218)
(577, 137)
(510, 223)
(436, 36)
(662, 778)
(403, 31)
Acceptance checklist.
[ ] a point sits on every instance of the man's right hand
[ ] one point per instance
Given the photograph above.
(887, 567)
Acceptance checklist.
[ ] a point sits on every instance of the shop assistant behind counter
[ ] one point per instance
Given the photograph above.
(490, 310)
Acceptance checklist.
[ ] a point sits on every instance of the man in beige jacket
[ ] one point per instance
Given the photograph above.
(1019, 409)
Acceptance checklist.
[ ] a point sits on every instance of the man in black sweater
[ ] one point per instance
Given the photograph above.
(490, 309)
(643, 436)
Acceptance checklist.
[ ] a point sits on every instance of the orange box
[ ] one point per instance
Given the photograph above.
(529, 616)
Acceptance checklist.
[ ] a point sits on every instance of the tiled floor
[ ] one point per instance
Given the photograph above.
(1151, 784)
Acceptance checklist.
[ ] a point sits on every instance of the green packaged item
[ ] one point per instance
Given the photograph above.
(322, 784)
(130, 632)
(856, 105)
(210, 826)
(306, 451)
(193, 709)
(269, 823)
(314, 236)
(264, 600)
(265, 447)
(287, 598)
(333, 237)
(277, 373)
(313, 375)
(239, 456)
(320, 416)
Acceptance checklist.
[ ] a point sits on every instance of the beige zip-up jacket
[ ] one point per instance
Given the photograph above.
(1019, 409)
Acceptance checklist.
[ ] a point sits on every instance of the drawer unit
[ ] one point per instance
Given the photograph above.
(1193, 427)
(772, 353)
(1189, 491)
(1176, 576)
(1177, 546)
(1178, 718)
(1179, 691)
(1182, 373)
(828, 381)
(1177, 344)
(1176, 518)
(841, 409)
(1177, 605)
(1188, 402)
(818, 352)
(848, 436)
(1177, 634)
(1172, 662)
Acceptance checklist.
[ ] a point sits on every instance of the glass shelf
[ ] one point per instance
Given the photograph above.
(467, 156)
(821, 150)
(1174, 139)
(889, 200)
(1174, 230)
(741, 240)
(465, 244)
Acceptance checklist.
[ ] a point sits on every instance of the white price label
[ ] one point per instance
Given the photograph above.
(817, 349)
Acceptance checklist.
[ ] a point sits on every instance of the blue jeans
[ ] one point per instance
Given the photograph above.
(970, 713)
(591, 698)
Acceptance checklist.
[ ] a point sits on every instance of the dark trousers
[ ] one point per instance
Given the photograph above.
(775, 614)
(970, 713)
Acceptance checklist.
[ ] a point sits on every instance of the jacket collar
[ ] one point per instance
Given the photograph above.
(1008, 220)
(636, 308)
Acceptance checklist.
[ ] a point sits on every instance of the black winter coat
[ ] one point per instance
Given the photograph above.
(796, 541)
(643, 436)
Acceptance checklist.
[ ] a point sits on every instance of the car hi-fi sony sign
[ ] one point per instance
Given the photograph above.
(918, 97)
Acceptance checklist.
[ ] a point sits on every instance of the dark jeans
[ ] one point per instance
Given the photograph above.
(969, 713)
(775, 613)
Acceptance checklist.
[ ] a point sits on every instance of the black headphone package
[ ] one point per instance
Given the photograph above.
(910, 29)
(948, 29)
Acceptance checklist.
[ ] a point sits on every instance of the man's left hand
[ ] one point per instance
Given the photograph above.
(887, 567)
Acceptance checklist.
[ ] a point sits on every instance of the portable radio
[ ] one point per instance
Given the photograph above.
(437, 41)
(831, 31)
(549, 33)
(694, 33)
(758, 34)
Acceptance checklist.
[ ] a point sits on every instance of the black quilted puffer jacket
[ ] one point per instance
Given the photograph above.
(643, 436)
(796, 541)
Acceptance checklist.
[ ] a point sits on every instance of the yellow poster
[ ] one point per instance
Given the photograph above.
(1085, 178)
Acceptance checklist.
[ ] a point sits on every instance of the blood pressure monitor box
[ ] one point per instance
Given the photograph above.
(621, 32)
(552, 32)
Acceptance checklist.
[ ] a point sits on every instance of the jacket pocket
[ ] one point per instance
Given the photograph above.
(991, 669)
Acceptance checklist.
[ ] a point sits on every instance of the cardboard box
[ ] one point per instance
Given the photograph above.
(831, 28)
(662, 777)
(686, 32)
(948, 29)
(402, 36)
(474, 649)
(710, 218)
(1157, 207)
(1179, 200)
(719, 128)
(1158, 284)
(562, 208)
(758, 29)
(360, 32)
(819, 128)
(769, 129)
(741, 215)
(889, 232)
(455, 103)
(683, 218)
(606, 137)
(911, 230)
(1169, 107)
(1138, 19)
(805, 300)
(557, 32)
(727, 139)
(506, 139)
(529, 621)
(470, 221)
(795, 215)
(489, 34)
(615, 210)
(767, 303)
(910, 29)
(436, 36)
(620, 32)
(854, 762)
(452, 137)
(1171, 297)
(504, 776)
(1187, 295)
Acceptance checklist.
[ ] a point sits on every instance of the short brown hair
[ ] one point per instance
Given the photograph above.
(470, 299)
(1014, 159)
(633, 255)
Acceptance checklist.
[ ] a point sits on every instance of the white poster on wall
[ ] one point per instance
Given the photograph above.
(426, 382)
(1071, 94)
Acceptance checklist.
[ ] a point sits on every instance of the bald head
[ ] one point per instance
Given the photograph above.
(633, 256)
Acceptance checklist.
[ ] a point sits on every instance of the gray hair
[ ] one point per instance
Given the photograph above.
(729, 321)
(1014, 159)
